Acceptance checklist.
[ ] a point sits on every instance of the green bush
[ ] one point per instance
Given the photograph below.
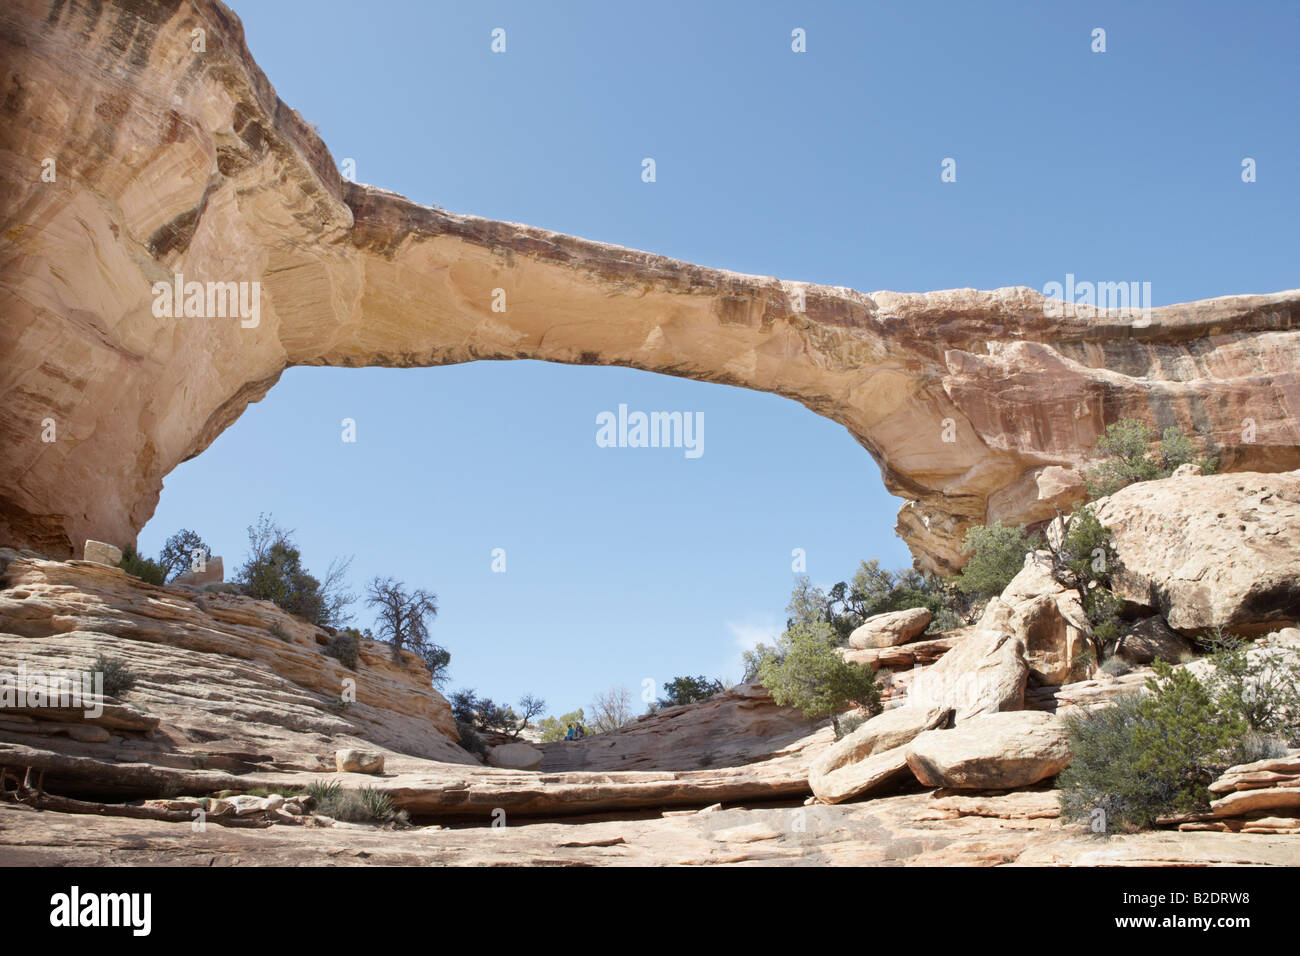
(1116, 667)
(470, 739)
(554, 728)
(1148, 756)
(1129, 454)
(146, 569)
(177, 555)
(997, 555)
(805, 671)
(345, 647)
(1261, 688)
(367, 805)
(274, 572)
(689, 690)
(118, 677)
(846, 725)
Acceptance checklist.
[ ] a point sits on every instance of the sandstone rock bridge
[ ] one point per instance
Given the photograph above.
(129, 158)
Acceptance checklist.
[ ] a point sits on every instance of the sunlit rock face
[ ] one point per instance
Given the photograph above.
(131, 157)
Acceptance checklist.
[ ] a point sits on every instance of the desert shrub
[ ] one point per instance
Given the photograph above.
(378, 805)
(486, 715)
(178, 553)
(805, 671)
(997, 555)
(146, 569)
(1256, 746)
(611, 710)
(323, 791)
(367, 805)
(1116, 667)
(274, 572)
(277, 631)
(689, 690)
(1261, 688)
(875, 590)
(1148, 756)
(1129, 453)
(345, 647)
(403, 619)
(470, 739)
(847, 724)
(119, 679)
(1085, 559)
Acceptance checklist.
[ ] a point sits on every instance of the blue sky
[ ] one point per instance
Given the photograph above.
(627, 564)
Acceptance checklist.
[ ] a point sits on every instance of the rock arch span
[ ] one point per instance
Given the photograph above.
(976, 405)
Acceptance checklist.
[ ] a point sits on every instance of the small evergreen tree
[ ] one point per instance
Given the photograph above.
(997, 555)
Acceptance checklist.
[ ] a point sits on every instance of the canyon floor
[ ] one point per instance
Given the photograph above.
(911, 829)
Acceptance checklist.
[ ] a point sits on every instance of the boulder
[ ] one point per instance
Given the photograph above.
(846, 770)
(1151, 639)
(984, 674)
(102, 553)
(879, 773)
(515, 757)
(1048, 617)
(213, 572)
(890, 629)
(358, 761)
(992, 752)
(1210, 551)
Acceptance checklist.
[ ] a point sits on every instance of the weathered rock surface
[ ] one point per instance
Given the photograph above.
(874, 754)
(1151, 639)
(1217, 550)
(917, 829)
(1259, 797)
(903, 656)
(213, 572)
(217, 692)
(172, 162)
(890, 629)
(1046, 617)
(742, 725)
(515, 757)
(992, 752)
(984, 674)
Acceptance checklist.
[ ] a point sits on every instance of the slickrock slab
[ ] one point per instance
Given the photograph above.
(741, 725)
(892, 830)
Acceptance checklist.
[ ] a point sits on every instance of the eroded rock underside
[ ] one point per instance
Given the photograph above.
(168, 161)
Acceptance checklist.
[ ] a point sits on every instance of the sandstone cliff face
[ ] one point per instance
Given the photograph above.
(976, 405)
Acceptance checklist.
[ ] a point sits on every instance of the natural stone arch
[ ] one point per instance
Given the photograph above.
(175, 163)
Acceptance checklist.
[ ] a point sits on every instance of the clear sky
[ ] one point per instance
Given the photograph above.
(823, 166)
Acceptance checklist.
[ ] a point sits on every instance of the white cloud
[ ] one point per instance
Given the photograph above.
(749, 633)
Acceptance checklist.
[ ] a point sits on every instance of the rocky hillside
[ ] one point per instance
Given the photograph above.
(960, 767)
(174, 166)
(224, 684)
